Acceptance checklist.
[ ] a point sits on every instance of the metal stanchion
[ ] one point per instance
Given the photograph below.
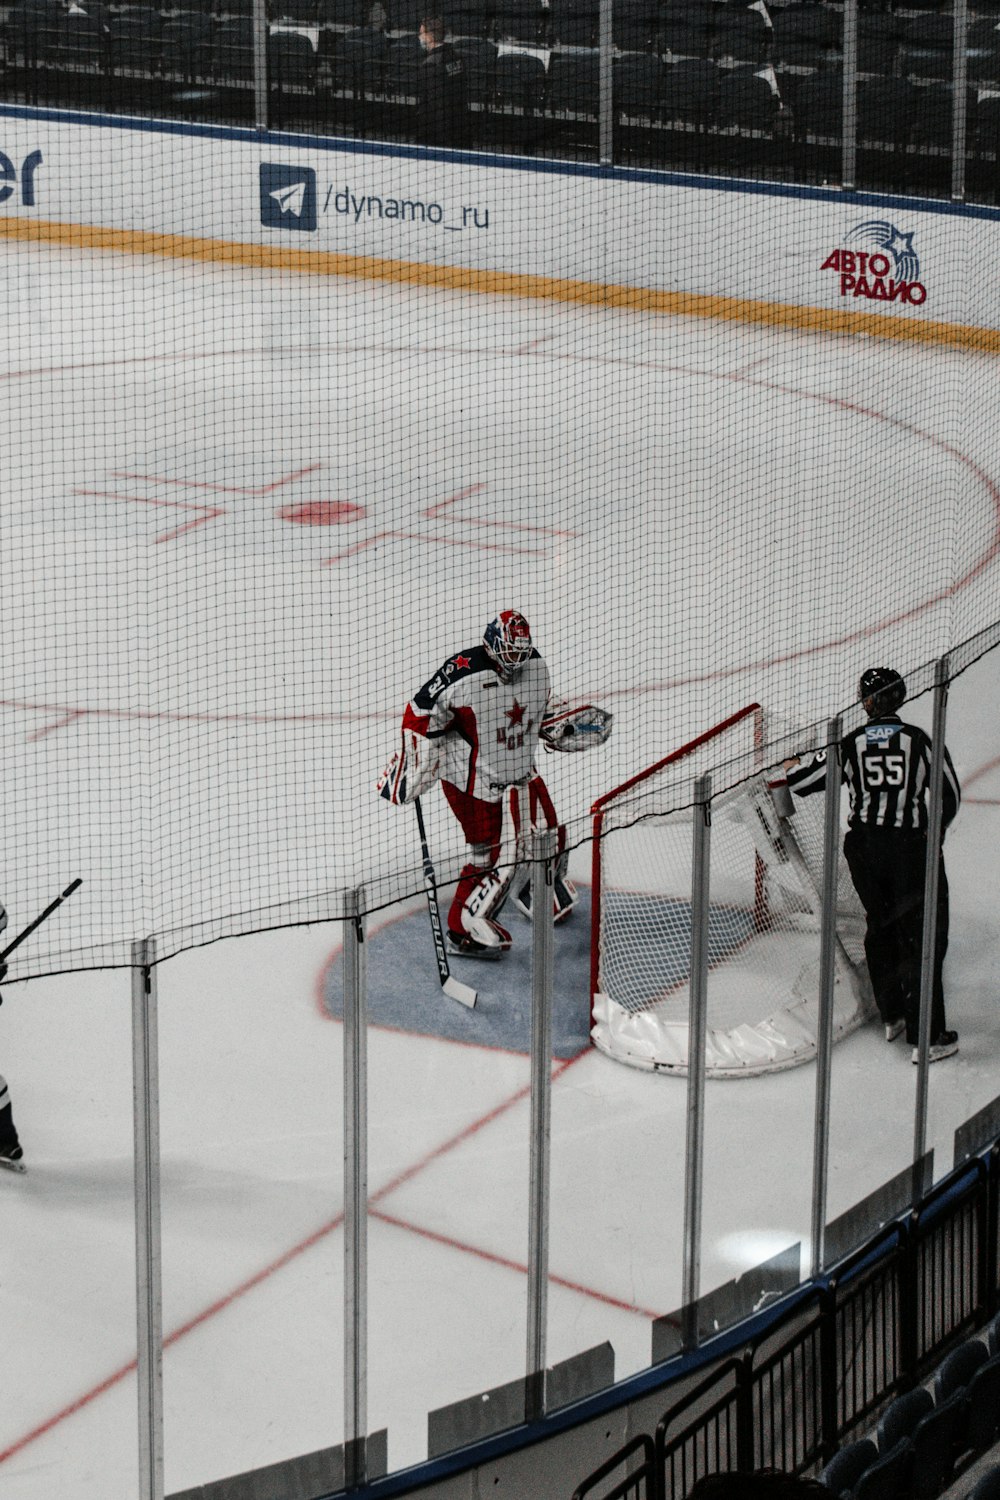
(259, 14)
(849, 122)
(931, 884)
(828, 976)
(148, 1263)
(542, 912)
(697, 1027)
(605, 83)
(960, 100)
(355, 1195)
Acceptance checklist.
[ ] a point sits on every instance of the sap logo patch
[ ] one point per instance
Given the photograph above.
(880, 734)
(287, 196)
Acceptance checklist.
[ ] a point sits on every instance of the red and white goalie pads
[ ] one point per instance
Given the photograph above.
(532, 809)
(582, 727)
(413, 768)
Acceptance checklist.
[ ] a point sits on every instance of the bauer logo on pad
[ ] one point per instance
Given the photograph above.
(287, 196)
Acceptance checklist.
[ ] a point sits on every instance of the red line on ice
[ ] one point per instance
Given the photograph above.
(222, 489)
(511, 1265)
(208, 512)
(434, 510)
(221, 1304)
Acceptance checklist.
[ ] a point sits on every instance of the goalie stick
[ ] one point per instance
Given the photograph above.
(452, 987)
(27, 931)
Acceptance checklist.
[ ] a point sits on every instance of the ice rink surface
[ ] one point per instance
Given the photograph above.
(244, 516)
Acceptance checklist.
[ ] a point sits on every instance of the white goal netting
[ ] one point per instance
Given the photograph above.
(765, 880)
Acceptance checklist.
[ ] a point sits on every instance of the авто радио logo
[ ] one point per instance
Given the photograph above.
(287, 196)
(888, 272)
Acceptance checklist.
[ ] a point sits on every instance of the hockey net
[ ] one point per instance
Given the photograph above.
(765, 879)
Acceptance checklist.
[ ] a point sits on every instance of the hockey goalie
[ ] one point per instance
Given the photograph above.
(476, 727)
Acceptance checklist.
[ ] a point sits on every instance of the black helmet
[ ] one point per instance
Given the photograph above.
(881, 690)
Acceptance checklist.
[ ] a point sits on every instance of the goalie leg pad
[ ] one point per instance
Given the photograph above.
(541, 814)
(479, 897)
(564, 893)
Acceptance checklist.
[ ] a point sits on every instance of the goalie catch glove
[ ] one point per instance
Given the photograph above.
(412, 769)
(583, 727)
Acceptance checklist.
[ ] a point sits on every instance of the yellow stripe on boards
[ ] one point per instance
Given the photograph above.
(502, 283)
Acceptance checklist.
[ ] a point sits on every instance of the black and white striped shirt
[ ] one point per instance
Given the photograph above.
(886, 769)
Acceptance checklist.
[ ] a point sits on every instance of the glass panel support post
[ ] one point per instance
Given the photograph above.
(259, 15)
(828, 977)
(697, 1028)
(605, 83)
(542, 933)
(931, 888)
(960, 100)
(849, 121)
(148, 1260)
(355, 1193)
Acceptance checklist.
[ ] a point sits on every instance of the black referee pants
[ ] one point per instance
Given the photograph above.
(888, 867)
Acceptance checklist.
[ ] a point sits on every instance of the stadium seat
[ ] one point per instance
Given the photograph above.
(957, 1369)
(232, 50)
(818, 108)
(983, 1417)
(691, 92)
(686, 29)
(634, 24)
(900, 1419)
(291, 60)
(887, 108)
(341, 13)
(520, 81)
(888, 1478)
(521, 21)
(934, 1439)
(134, 39)
(574, 22)
(81, 37)
(638, 84)
(468, 17)
(402, 65)
(934, 126)
(847, 1466)
(480, 58)
(572, 86)
(747, 101)
(983, 57)
(32, 28)
(359, 62)
(878, 42)
(742, 35)
(186, 46)
(805, 33)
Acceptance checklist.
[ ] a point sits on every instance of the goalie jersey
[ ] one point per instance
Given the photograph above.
(486, 729)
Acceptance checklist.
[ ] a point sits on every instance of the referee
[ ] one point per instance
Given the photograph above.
(886, 766)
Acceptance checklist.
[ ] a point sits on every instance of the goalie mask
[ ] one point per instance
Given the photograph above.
(881, 690)
(508, 643)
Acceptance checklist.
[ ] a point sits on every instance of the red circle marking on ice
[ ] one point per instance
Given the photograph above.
(322, 513)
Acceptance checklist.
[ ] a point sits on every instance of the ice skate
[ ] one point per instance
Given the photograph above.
(12, 1157)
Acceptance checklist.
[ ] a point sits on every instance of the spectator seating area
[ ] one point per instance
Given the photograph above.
(931, 1434)
(700, 85)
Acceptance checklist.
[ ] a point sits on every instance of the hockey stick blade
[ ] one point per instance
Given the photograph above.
(463, 993)
(453, 988)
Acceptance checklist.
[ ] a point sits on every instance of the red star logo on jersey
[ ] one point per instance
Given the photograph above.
(515, 714)
(461, 661)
